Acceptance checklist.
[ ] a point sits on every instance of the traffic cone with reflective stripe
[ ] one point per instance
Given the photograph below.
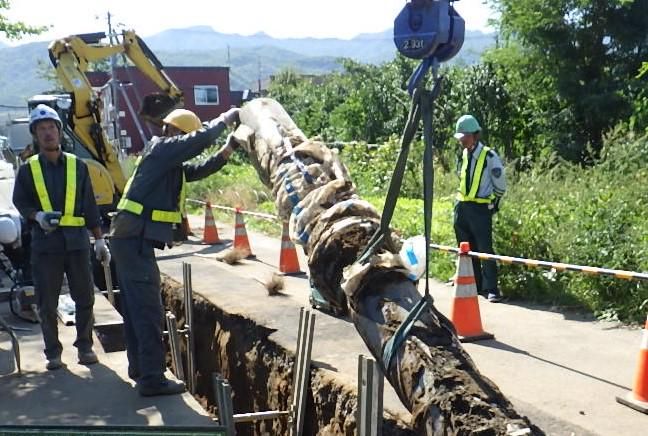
(288, 261)
(638, 398)
(210, 232)
(465, 306)
(241, 241)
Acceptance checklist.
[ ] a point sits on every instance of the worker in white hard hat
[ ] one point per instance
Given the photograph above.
(149, 211)
(482, 185)
(54, 194)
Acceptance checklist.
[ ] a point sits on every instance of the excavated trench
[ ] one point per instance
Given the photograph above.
(260, 373)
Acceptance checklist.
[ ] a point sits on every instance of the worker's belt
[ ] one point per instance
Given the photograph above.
(465, 198)
(164, 216)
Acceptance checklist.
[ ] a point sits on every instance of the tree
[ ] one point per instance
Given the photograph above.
(16, 29)
(577, 59)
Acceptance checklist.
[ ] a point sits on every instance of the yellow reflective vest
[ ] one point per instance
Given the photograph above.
(469, 193)
(165, 216)
(68, 219)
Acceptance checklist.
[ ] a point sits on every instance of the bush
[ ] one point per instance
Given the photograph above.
(582, 216)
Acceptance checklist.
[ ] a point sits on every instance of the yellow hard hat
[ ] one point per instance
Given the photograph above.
(184, 120)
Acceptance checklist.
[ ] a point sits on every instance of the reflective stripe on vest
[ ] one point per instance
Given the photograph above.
(475, 181)
(165, 216)
(68, 219)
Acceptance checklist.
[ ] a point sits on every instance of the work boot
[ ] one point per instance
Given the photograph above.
(494, 298)
(54, 363)
(166, 387)
(88, 357)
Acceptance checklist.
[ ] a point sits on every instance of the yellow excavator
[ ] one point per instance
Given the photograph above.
(82, 109)
(86, 132)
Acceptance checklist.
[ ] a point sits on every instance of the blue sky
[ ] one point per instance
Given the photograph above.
(278, 18)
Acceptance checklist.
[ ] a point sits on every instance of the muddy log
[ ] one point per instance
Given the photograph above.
(431, 372)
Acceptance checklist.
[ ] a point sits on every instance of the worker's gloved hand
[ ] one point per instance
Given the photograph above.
(48, 221)
(101, 251)
(229, 117)
(229, 147)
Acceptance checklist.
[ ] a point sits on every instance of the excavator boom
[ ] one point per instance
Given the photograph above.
(71, 57)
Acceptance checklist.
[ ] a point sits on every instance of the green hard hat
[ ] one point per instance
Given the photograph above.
(466, 124)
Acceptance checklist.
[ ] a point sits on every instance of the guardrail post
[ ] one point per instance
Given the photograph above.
(370, 397)
(174, 344)
(301, 371)
(189, 334)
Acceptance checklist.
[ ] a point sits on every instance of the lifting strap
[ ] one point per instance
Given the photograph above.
(422, 107)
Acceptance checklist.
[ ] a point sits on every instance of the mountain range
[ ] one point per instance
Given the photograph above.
(250, 58)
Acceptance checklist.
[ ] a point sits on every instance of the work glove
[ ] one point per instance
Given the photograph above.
(229, 117)
(101, 251)
(229, 147)
(48, 221)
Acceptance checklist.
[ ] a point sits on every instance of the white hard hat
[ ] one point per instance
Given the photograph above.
(8, 231)
(43, 112)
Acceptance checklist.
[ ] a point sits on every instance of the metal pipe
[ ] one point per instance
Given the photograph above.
(260, 416)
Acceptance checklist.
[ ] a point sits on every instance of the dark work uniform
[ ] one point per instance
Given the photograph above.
(156, 184)
(473, 215)
(64, 250)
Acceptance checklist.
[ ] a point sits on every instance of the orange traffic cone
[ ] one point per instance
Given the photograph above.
(210, 232)
(638, 398)
(241, 241)
(288, 261)
(465, 306)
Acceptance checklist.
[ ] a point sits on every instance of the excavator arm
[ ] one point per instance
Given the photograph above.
(71, 57)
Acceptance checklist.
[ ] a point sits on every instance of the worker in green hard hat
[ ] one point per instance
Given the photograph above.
(482, 185)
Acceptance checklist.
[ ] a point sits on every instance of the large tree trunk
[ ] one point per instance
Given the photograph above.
(431, 372)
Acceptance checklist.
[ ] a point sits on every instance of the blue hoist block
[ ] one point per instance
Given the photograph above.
(429, 29)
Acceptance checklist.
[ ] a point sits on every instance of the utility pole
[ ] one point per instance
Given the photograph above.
(114, 85)
(259, 77)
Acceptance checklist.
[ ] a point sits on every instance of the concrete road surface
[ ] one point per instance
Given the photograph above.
(100, 394)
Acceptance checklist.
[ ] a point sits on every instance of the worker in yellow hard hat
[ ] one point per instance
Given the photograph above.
(482, 185)
(148, 214)
(180, 121)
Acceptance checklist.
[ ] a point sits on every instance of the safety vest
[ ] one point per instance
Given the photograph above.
(466, 194)
(164, 216)
(68, 219)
